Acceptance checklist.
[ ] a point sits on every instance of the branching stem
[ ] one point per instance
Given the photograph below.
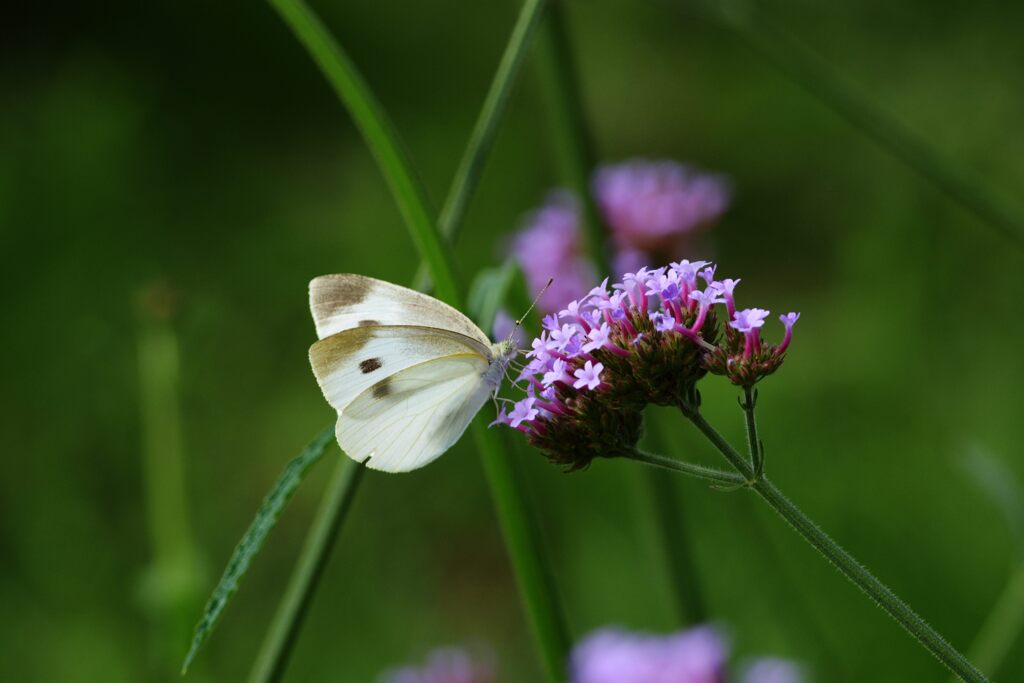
(843, 561)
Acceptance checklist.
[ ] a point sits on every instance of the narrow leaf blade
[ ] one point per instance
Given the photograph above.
(251, 543)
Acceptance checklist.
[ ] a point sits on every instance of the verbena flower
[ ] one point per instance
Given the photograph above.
(651, 208)
(696, 655)
(447, 665)
(647, 339)
(548, 246)
(773, 670)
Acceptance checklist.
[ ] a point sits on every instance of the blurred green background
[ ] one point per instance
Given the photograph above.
(195, 145)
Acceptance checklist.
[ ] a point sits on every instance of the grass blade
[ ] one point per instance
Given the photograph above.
(570, 133)
(573, 140)
(380, 137)
(273, 655)
(252, 541)
(521, 537)
(811, 73)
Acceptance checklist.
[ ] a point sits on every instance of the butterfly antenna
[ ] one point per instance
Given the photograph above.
(519, 322)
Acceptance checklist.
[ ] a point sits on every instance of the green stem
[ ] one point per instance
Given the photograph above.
(380, 137)
(481, 139)
(692, 469)
(753, 442)
(522, 540)
(1003, 626)
(174, 576)
(843, 561)
(669, 521)
(570, 134)
(521, 536)
(277, 645)
(812, 74)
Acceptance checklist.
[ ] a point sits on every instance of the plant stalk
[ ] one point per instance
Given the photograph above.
(810, 72)
(843, 561)
(522, 539)
(694, 470)
(1001, 630)
(570, 134)
(277, 645)
(481, 139)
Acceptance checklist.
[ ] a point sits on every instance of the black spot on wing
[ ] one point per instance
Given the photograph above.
(368, 323)
(369, 365)
(382, 388)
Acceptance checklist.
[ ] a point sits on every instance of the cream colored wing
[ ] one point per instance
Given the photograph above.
(348, 363)
(413, 416)
(342, 302)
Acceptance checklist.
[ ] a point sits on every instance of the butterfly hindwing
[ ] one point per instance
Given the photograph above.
(411, 417)
(342, 302)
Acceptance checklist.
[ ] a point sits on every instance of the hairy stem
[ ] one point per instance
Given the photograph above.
(570, 133)
(1002, 628)
(753, 442)
(273, 654)
(481, 139)
(842, 560)
(758, 29)
(521, 536)
(692, 469)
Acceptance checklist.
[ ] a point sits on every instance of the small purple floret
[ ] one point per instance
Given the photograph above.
(588, 376)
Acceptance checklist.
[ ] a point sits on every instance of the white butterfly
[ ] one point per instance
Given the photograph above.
(405, 372)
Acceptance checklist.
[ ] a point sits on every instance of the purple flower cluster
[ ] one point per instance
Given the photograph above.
(447, 665)
(697, 655)
(610, 655)
(773, 670)
(647, 339)
(613, 656)
(550, 245)
(654, 207)
(651, 208)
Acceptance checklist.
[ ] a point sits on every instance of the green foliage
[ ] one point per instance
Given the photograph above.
(251, 543)
(489, 291)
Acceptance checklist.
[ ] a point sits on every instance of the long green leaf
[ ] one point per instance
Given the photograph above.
(252, 541)
(807, 70)
(521, 535)
(380, 137)
(570, 133)
(341, 490)
(343, 486)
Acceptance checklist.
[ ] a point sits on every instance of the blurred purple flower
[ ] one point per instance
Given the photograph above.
(505, 327)
(773, 670)
(549, 246)
(447, 665)
(614, 656)
(650, 205)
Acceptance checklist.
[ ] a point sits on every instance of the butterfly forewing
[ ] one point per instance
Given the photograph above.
(416, 414)
(342, 302)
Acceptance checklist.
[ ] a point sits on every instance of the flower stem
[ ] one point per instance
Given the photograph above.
(570, 134)
(381, 138)
(753, 442)
(277, 645)
(810, 72)
(843, 561)
(481, 139)
(522, 539)
(1003, 626)
(692, 469)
